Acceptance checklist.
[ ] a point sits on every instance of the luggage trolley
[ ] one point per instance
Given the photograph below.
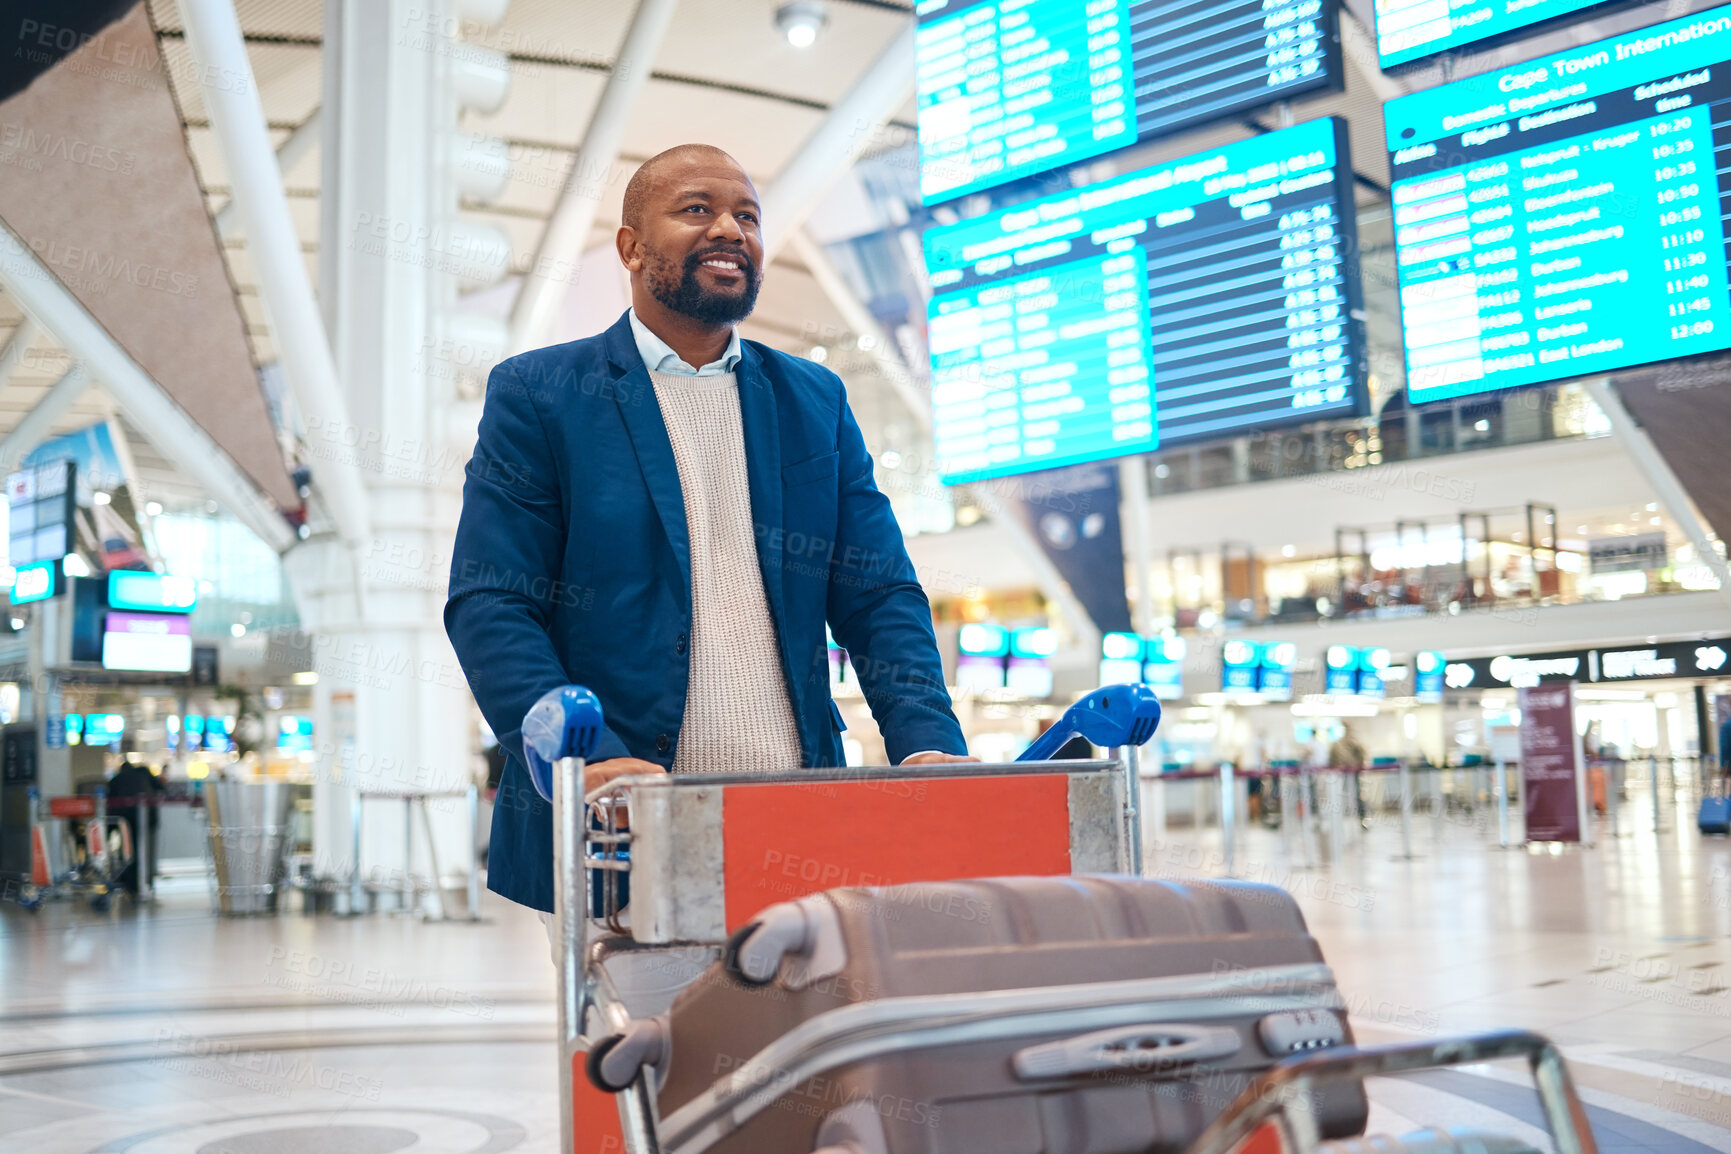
(646, 902)
(704, 853)
(64, 867)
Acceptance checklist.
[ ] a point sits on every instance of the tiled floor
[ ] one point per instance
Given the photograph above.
(172, 1032)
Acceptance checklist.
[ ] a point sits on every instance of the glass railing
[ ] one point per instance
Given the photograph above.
(1400, 433)
(1501, 577)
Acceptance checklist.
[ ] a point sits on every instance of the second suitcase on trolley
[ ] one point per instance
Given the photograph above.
(1081, 1015)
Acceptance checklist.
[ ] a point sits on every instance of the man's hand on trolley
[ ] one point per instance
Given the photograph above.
(932, 757)
(598, 773)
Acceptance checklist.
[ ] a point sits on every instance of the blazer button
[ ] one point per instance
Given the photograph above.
(679, 646)
(663, 743)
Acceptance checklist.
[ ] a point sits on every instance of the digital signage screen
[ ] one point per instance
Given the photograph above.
(1408, 31)
(1187, 301)
(1009, 88)
(151, 592)
(1565, 216)
(153, 642)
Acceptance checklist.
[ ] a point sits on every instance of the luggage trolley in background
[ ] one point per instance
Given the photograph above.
(705, 856)
(64, 867)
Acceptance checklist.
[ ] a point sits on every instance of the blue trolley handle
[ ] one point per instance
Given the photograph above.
(1114, 716)
(1121, 718)
(560, 732)
(566, 722)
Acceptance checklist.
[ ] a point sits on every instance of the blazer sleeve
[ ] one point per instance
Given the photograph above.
(505, 566)
(880, 615)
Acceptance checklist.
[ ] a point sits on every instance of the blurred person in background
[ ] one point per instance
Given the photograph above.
(1348, 754)
(142, 790)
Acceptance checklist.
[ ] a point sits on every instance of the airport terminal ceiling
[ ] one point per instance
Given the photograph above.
(712, 76)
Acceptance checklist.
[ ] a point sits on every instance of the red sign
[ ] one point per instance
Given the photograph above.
(1551, 773)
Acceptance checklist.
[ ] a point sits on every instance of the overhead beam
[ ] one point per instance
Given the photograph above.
(1657, 470)
(17, 345)
(301, 141)
(176, 436)
(872, 339)
(914, 390)
(1052, 585)
(33, 428)
(231, 97)
(847, 130)
(535, 313)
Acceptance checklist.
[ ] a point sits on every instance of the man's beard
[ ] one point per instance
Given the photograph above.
(680, 290)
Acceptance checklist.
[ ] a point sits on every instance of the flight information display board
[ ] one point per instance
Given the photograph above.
(1010, 88)
(1196, 299)
(1408, 31)
(1565, 216)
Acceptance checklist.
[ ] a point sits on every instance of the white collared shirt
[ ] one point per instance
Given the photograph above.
(659, 357)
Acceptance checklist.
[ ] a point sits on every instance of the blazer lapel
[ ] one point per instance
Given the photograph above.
(634, 393)
(757, 411)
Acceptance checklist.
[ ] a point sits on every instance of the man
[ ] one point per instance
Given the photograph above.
(1348, 754)
(669, 515)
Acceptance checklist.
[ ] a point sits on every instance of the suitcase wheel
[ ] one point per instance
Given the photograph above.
(616, 1061)
(730, 957)
(592, 1064)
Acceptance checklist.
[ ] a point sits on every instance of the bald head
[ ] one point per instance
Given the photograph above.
(690, 237)
(664, 166)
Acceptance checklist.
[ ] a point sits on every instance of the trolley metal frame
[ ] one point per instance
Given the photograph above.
(595, 946)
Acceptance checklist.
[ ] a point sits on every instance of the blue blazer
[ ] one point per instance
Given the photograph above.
(572, 565)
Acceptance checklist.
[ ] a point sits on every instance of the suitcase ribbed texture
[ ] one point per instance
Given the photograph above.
(960, 938)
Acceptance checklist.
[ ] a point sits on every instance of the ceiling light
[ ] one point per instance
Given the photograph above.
(1652, 506)
(801, 21)
(74, 566)
(153, 508)
(100, 497)
(1654, 521)
(237, 629)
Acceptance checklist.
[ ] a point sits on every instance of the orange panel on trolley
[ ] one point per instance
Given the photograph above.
(594, 1115)
(786, 841)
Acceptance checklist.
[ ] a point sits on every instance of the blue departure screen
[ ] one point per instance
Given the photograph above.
(1409, 30)
(1009, 88)
(1195, 299)
(1565, 216)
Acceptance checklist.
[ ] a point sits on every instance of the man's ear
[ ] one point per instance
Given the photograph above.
(625, 241)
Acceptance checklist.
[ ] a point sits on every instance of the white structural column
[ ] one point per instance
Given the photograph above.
(1658, 472)
(231, 95)
(848, 129)
(291, 152)
(1133, 506)
(175, 435)
(33, 428)
(566, 235)
(392, 712)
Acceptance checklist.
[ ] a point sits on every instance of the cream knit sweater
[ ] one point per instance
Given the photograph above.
(737, 712)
